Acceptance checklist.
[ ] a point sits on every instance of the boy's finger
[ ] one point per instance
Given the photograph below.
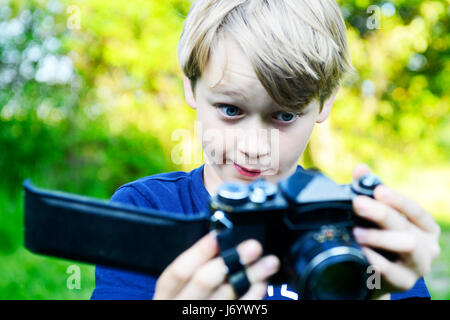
(396, 276)
(414, 211)
(380, 213)
(211, 275)
(360, 170)
(391, 240)
(256, 292)
(178, 273)
(257, 273)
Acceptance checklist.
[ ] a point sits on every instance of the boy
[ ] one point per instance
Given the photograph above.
(251, 67)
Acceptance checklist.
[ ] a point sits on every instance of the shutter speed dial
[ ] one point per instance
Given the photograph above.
(258, 192)
(366, 184)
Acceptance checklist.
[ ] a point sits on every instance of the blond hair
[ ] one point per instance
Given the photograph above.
(298, 48)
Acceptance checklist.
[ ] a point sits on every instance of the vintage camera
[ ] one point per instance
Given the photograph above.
(306, 220)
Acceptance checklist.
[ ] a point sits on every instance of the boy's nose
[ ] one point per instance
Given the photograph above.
(254, 144)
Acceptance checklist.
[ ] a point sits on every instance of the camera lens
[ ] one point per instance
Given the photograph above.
(338, 278)
(330, 268)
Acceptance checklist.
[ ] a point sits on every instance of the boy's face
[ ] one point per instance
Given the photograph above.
(241, 127)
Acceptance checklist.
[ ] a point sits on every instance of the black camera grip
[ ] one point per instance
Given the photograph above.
(94, 231)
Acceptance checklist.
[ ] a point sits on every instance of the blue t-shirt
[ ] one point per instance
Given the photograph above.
(181, 192)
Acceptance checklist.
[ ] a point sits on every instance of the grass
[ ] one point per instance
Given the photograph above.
(29, 276)
(25, 275)
(438, 280)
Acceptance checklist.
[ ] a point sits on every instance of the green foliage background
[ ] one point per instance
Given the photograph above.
(106, 113)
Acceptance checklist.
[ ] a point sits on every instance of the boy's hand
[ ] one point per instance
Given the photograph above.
(405, 228)
(198, 273)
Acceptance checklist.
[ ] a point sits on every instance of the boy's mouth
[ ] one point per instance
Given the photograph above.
(247, 172)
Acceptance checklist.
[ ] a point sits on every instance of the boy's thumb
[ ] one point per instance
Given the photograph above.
(360, 170)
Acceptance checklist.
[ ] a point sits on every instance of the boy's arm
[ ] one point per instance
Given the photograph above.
(406, 229)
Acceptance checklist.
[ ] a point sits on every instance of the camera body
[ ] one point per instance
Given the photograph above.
(306, 220)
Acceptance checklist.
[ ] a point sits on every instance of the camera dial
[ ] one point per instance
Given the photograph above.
(233, 193)
(261, 191)
(366, 185)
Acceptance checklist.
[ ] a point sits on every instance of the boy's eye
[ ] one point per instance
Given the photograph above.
(286, 117)
(229, 110)
(232, 112)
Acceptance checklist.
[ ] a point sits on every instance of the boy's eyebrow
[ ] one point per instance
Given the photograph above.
(230, 92)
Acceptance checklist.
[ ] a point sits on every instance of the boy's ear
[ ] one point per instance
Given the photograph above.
(188, 93)
(327, 105)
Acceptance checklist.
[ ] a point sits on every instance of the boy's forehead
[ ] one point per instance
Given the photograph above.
(229, 70)
(230, 73)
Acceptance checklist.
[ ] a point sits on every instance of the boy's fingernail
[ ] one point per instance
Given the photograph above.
(271, 262)
(359, 233)
(250, 248)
